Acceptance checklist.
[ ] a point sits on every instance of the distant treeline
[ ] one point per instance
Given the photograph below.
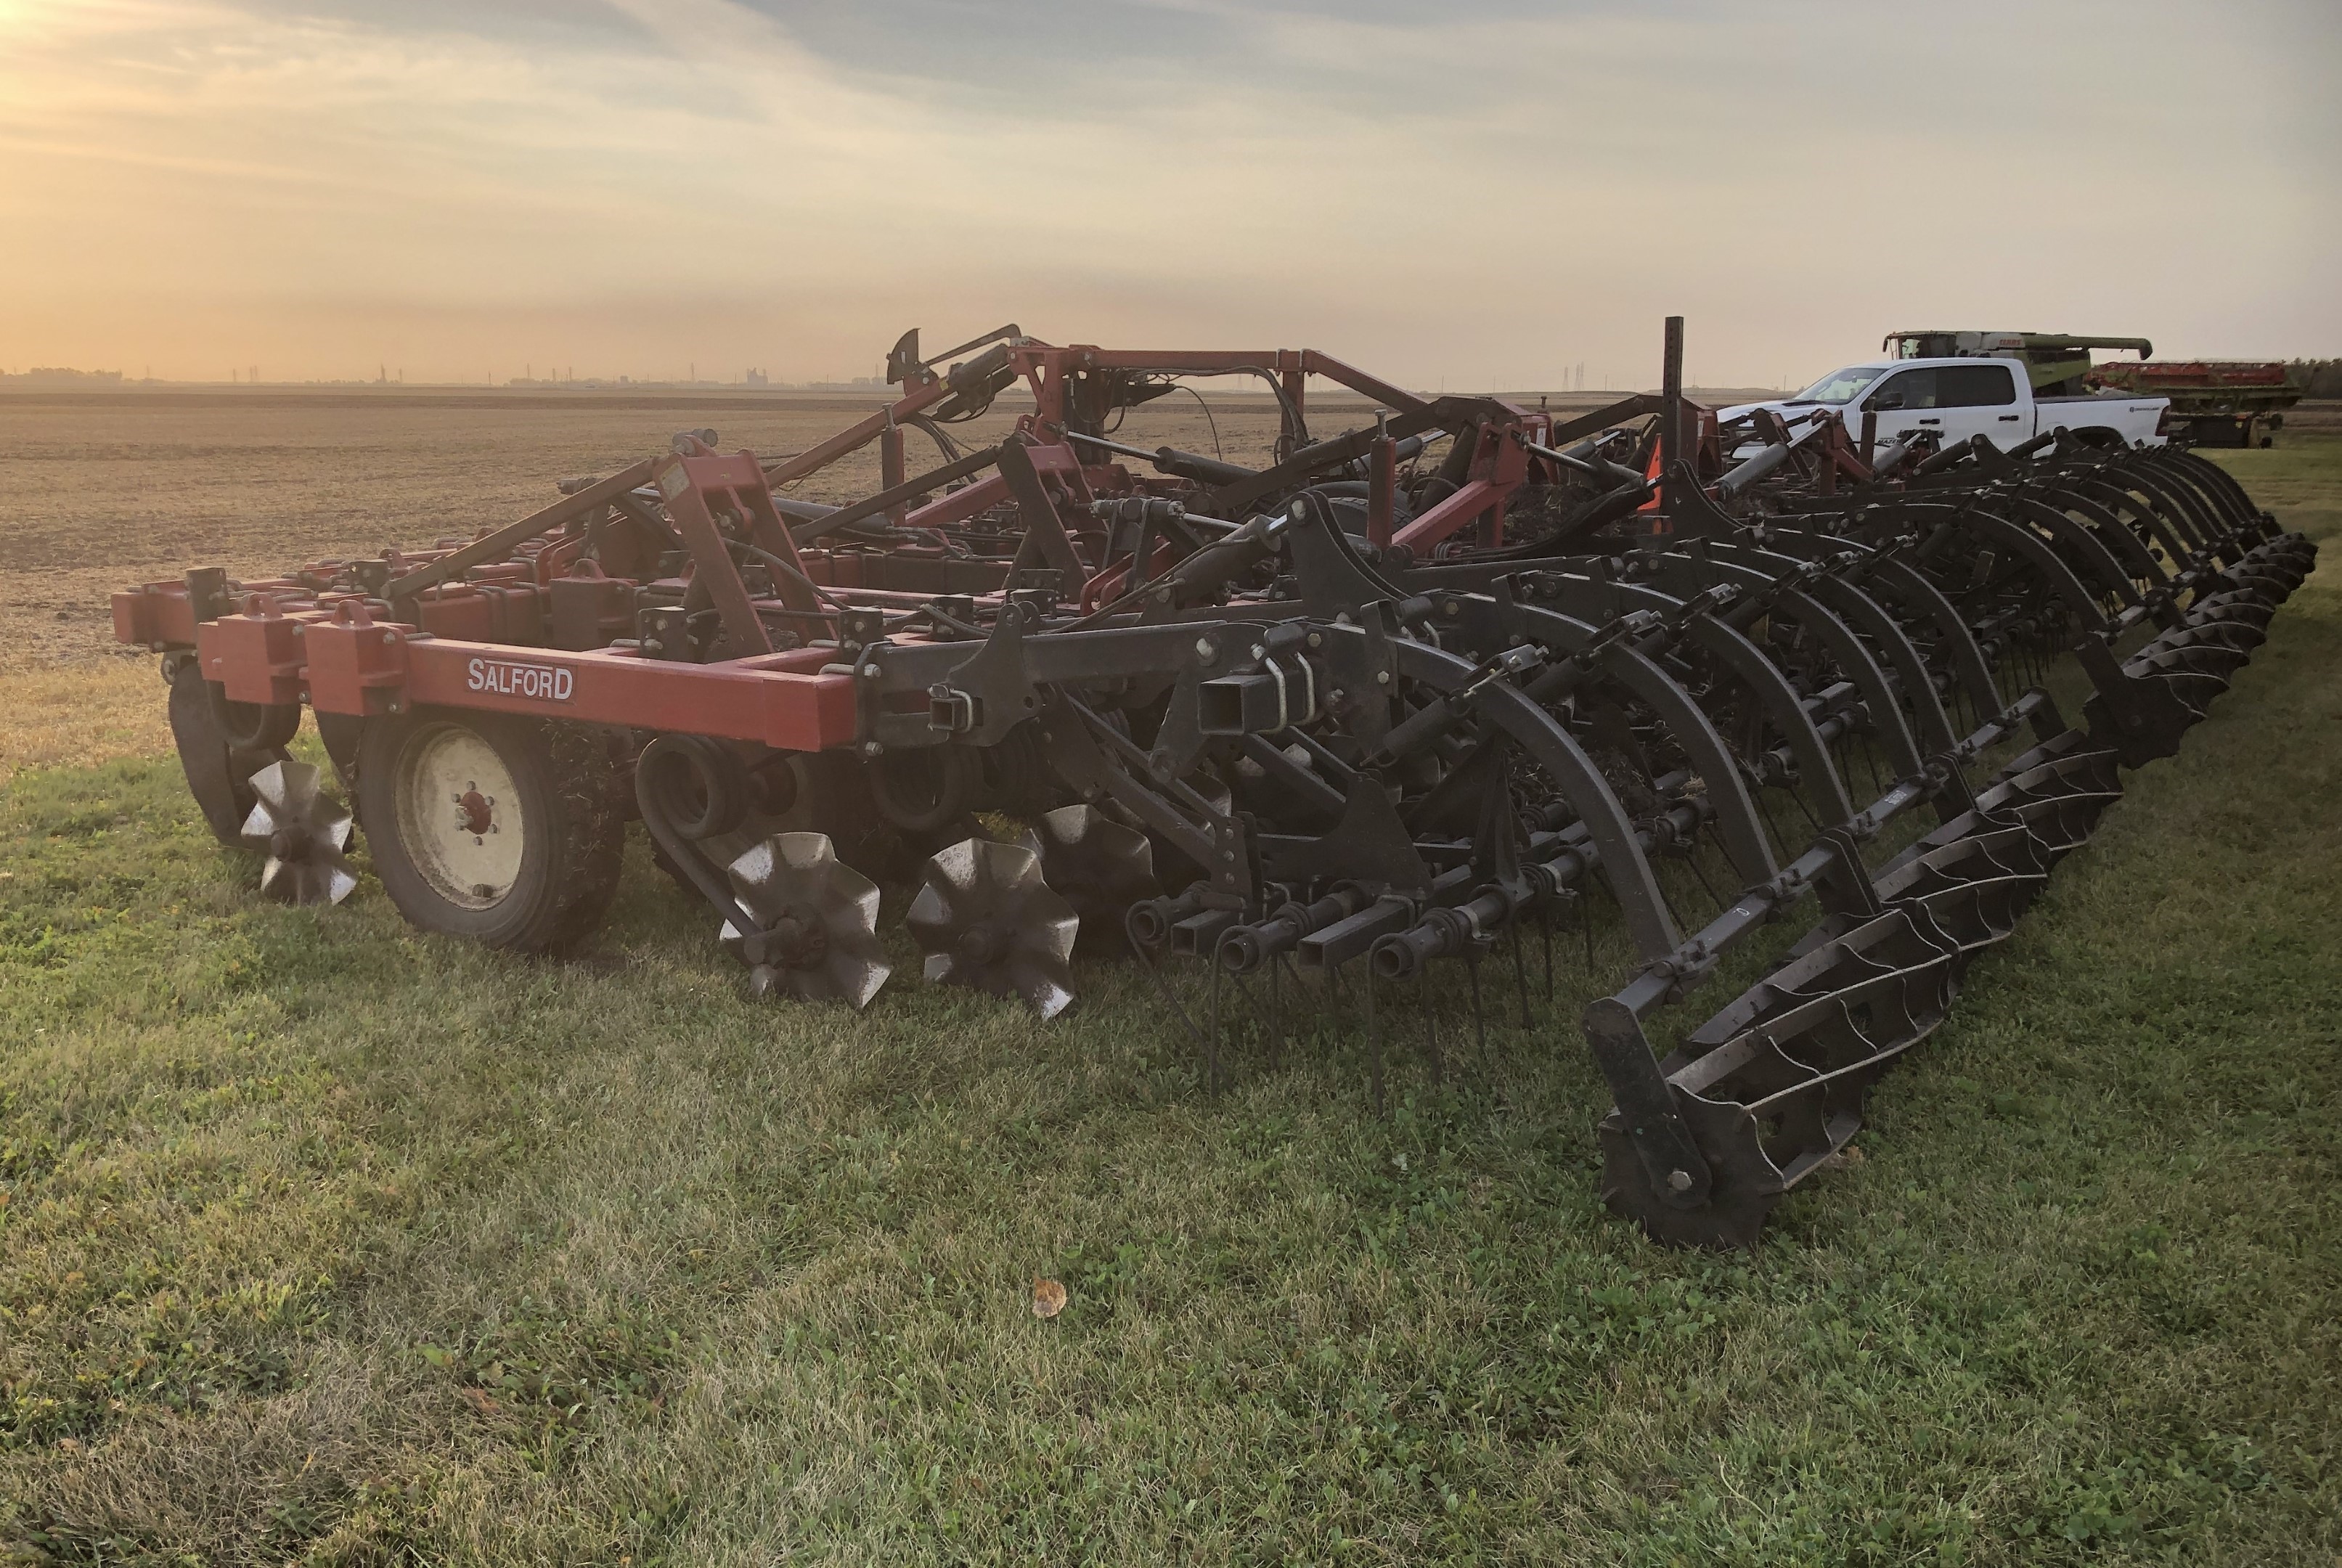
(2315, 377)
(58, 376)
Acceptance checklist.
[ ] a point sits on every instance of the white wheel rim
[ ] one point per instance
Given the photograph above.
(460, 817)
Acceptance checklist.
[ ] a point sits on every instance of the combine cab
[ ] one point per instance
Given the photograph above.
(1442, 692)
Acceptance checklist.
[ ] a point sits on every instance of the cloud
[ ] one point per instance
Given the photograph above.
(1482, 196)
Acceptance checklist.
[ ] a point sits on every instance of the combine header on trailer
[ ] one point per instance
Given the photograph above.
(1461, 673)
(2214, 402)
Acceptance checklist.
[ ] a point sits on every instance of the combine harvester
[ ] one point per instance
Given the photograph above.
(1461, 673)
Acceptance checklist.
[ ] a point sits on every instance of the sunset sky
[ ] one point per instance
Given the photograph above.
(1476, 194)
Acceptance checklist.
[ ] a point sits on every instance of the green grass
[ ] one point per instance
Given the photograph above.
(322, 1241)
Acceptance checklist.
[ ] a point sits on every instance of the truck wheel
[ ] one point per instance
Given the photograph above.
(491, 826)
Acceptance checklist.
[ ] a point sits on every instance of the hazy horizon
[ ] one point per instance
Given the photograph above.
(1489, 198)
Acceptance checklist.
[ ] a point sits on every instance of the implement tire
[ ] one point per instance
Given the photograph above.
(492, 827)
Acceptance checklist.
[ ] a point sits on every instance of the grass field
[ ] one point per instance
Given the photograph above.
(322, 1241)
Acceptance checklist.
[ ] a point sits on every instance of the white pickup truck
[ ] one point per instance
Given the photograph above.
(1959, 398)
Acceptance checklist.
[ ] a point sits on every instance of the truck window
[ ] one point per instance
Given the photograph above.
(1839, 386)
(1974, 386)
(1917, 388)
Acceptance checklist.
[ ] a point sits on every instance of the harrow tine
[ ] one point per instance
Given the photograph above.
(1480, 1014)
(1212, 1050)
(1146, 960)
(1300, 990)
(1520, 972)
(1275, 1018)
(1431, 1054)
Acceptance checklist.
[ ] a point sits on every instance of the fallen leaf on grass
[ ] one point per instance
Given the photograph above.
(480, 1400)
(1049, 1298)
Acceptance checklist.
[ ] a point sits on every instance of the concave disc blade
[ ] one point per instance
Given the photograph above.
(1047, 987)
(1100, 866)
(986, 918)
(324, 878)
(303, 830)
(823, 913)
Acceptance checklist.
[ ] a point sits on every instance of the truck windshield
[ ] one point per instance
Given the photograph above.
(1842, 385)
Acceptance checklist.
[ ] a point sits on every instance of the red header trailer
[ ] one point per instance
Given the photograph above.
(2214, 402)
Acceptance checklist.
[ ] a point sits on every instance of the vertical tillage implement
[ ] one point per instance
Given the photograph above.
(1463, 672)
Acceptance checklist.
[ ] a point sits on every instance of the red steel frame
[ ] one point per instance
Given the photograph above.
(288, 642)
